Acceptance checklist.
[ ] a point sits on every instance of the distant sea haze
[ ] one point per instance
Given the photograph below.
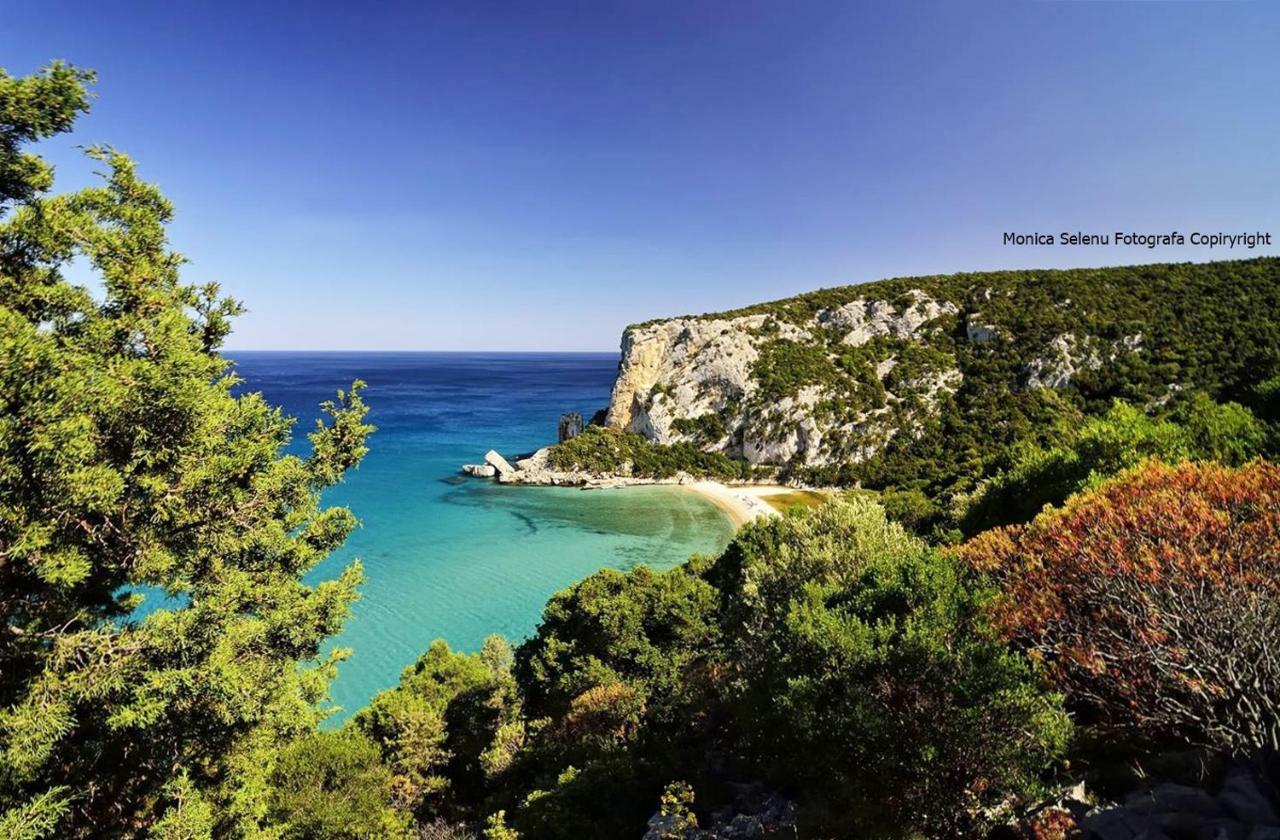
(455, 558)
(1244, 239)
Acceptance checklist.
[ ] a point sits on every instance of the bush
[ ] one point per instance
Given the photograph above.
(608, 798)
(332, 785)
(1104, 446)
(911, 509)
(770, 561)
(1228, 433)
(705, 429)
(437, 729)
(613, 699)
(644, 629)
(865, 675)
(784, 367)
(1155, 600)
(609, 452)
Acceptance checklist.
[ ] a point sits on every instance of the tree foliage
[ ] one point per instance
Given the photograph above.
(334, 786)
(609, 452)
(442, 731)
(127, 464)
(1154, 600)
(1103, 446)
(642, 629)
(829, 653)
(863, 671)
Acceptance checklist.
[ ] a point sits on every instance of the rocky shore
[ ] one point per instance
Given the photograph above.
(740, 503)
(536, 469)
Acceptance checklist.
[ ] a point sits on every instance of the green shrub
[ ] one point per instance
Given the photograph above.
(333, 786)
(609, 798)
(784, 367)
(705, 429)
(865, 675)
(911, 509)
(1228, 433)
(608, 452)
(641, 628)
(1199, 429)
(436, 728)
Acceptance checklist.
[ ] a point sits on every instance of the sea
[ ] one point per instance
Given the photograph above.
(459, 558)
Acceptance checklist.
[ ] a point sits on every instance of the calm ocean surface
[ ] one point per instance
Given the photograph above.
(455, 558)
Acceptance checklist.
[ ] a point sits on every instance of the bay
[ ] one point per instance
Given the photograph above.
(459, 558)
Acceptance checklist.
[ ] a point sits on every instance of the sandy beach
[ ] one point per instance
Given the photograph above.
(742, 504)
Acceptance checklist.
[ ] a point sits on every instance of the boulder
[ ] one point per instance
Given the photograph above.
(498, 463)
(1243, 808)
(981, 333)
(480, 470)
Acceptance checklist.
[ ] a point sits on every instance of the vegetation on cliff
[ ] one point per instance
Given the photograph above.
(936, 384)
(607, 452)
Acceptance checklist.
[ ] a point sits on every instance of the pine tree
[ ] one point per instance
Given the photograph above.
(129, 465)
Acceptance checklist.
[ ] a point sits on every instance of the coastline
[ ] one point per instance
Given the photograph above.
(740, 504)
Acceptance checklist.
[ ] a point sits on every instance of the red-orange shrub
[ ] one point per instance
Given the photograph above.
(1154, 600)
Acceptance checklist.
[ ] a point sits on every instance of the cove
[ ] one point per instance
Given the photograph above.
(458, 558)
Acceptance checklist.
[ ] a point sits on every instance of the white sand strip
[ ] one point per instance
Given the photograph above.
(740, 504)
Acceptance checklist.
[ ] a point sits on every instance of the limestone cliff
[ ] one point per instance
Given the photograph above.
(837, 376)
(707, 380)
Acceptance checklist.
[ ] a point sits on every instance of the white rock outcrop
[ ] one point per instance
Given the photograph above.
(980, 333)
(683, 369)
(1067, 355)
(686, 367)
(862, 320)
(500, 464)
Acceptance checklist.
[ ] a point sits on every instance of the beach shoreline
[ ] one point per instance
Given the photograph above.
(739, 503)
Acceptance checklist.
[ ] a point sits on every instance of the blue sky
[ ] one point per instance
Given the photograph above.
(536, 175)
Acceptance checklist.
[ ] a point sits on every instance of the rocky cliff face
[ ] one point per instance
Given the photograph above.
(927, 384)
(683, 368)
(774, 390)
(834, 377)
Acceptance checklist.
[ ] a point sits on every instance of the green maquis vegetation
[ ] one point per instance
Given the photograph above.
(828, 653)
(128, 466)
(613, 453)
(1153, 336)
(1124, 437)
(1114, 596)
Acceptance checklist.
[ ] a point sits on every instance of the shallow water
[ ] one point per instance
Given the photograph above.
(459, 558)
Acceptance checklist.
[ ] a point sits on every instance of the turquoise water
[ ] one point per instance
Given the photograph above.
(460, 558)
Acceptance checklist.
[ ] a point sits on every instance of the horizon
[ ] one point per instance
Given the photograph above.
(464, 177)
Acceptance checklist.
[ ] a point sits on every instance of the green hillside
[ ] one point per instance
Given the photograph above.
(1150, 335)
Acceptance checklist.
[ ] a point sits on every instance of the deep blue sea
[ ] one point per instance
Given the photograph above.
(459, 558)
